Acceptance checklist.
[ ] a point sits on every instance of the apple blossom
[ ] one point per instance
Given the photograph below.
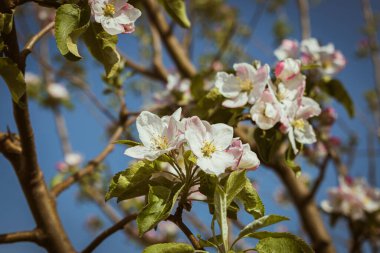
(352, 198)
(73, 159)
(287, 69)
(158, 136)
(287, 49)
(266, 112)
(244, 157)
(32, 79)
(57, 91)
(115, 16)
(246, 87)
(208, 143)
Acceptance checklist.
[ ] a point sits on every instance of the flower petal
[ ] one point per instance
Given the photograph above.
(222, 135)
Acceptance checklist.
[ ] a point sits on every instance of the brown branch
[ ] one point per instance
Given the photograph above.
(178, 221)
(92, 165)
(303, 6)
(318, 181)
(108, 232)
(171, 43)
(30, 44)
(157, 53)
(22, 236)
(29, 174)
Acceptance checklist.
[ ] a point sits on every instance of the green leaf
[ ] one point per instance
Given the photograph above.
(280, 242)
(161, 201)
(267, 142)
(207, 185)
(169, 248)
(6, 22)
(197, 86)
(262, 222)
(57, 179)
(14, 79)
(177, 10)
(131, 182)
(251, 200)
(128, 143)
(102, 46)
(220, 203)
(70, 22)
(235, 184)
(336, 89)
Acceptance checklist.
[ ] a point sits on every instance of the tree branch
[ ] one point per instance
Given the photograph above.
(303, 7)
(108, 232)
(318, 181)
(178, 221)
(171, 43)
(22, 236)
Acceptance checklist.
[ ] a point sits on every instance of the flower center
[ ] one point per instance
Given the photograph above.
(299, 124)
(208, 148)
(246, 85)
(109, 10)
(161, 143)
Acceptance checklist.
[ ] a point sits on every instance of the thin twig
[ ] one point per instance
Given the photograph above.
(108, 232)
(303, 7)
(22, 236)
(321, 176)
(178, 221)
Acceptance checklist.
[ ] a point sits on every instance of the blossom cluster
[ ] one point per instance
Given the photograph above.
(174, 85)
(280, 102)
(115, 16)
(329, 60)
(352, 198)
(213, 145)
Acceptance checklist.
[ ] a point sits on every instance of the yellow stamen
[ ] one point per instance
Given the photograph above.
(208, 148)
(299, 124)
(161, 143)
(246, 85)
(109, 10)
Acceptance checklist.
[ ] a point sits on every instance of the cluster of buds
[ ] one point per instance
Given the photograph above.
(213, 146)
(353, 199)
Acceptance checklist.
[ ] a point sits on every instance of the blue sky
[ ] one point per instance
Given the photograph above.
(334, 21)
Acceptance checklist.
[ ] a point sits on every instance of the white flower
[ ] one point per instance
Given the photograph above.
(158, 136)
(296, 124)
(246, 87)
(115, 16)
(58, 91)
(287, 49)
(266, 111)
(332, 61)
(73, 159)
(287, 69)
(32, 79)
(208, 143)
(310, 50)
(244, 157)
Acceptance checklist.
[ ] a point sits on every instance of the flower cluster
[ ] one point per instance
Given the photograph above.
(352, 198)
(213, 146)
(271, 103)
(329, 60)
(175, 88)
(115, 16)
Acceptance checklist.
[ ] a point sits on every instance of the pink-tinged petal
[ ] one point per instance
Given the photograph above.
(222, 135)
(309, 108)
(111, 26)
(142, 152)
(227, 84)
(305, 135)
(287, 49)
(195, 135)
(244, 71)
(249, 159)
(260, 81)
(240, 101)
(235, 149)
(287, 69)
(149, 127)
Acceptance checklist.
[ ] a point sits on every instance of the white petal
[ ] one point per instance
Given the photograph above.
(305, 135)
(245, 71)
(149, 127)
(228, 85)
(249, 158)
(141, 152)
(222, 135)
(111, 26)
(237, 102)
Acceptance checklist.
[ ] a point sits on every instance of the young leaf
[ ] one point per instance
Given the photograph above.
(169, 248)
(128, 143)
(102, 46)
(220, 203)
(6, 22)
(251, 200)
(161, 201)
(235, 183)
(336, 89)
(267, 142)
(70, 22)
(132, 182)
(13, 78)
(280, 242)
(262, 222)
(177, 10)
